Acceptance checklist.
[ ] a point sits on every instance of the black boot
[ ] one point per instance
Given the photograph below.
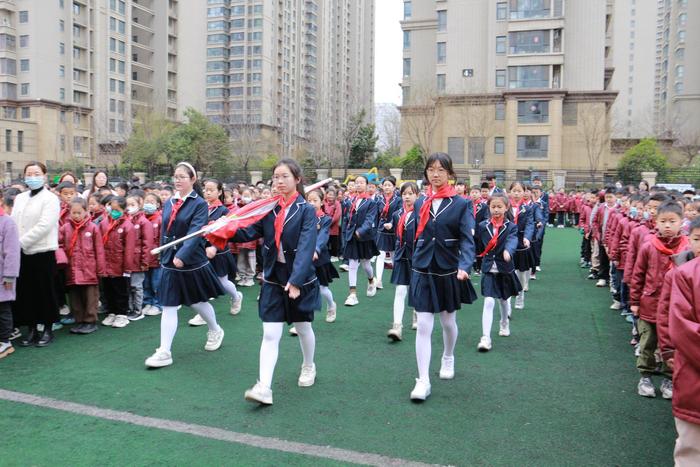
(31, 338)
(46, 337)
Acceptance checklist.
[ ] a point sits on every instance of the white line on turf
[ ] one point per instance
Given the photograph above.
(263, 442)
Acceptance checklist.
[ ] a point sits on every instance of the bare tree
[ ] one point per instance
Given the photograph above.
(245, 142)
(389, 128)
(595, 131)
(477, 125)
(350, 132)
(686, 137)
(420, 119)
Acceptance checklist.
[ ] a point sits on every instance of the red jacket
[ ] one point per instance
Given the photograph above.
(611, 228)
(636, 239)
(648, 278)
(86, 255)
(154, 223)
(334, 211)
(144, 238)
(560, 203)
(578, 203)
(684, 330)
(598, 221)
(623, 243)
(662, 310)
(64, 215)
(120, 246)
(585, 218)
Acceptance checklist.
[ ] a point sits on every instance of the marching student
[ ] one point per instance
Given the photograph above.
(119, 241)
(403, 220)
(325, 272)
(82, 243)
(144, 237)
(442, 258)
(480, 207)
(290, 291)
(247, 259)
(386, 236)
(523, 219)
(151, 283)
(9, 271)
(359, 236)
(540, 212)
(497, 239)
(332, 208)
(560, 205)
(188, 277)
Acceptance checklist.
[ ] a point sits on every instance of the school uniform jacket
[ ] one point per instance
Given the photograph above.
(394, 205)
(507, 241)
(447, 238)
(404, 247)
(637, 236)
(144, 238)
(214, 214)
(323, 228)
(86, 262)
(662, 309)
(334, 211)
(560, 202)
(525, 224)
(154, 224)
(298, 241)
(120, 247)
(192, 216)
(481, 212)
(362, 221)
(539, 216)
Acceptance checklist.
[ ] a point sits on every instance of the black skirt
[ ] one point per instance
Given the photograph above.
(355, 249)
(36, 302)
(224, 264)
(326, 273)
(401, 274)
(499, 285)
(436, 290)
(524, 259)
(189, 286)
(386, 241)
(275, 306)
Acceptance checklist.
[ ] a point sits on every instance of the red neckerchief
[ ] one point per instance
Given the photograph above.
(112, 225)
(152, 217)
(214, 204)
(445, 191)
(387, 203)
(177, 204)
(76, 233)
(494, 240)
(320, 213)
(517, 210)
(279, 220)
(475, 207)
(2, 211)
(402, 221)
(670, 247)
(353, 206)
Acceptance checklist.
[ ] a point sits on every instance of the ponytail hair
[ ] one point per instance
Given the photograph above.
(296, 171)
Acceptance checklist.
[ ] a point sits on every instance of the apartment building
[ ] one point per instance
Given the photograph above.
(515, 87)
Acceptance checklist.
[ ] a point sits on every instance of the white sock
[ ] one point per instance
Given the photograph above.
(354, 265)
(399, 302)
(487, 316)
(168, 327)
(269, 350)
(229, 287)
(307, 341)
(527, 279)
(505, 310)
(367, 266)
(380, 265)
(327, 295)
(206, 311)
(449, 332)
(424, 345)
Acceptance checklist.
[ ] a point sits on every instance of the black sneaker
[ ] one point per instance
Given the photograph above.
(134, 316)
(15, 334)
(78, 329)
(88, 328)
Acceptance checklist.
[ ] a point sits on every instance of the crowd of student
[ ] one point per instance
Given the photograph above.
(94, 247)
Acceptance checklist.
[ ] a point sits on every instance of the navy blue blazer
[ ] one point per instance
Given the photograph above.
(394, 205)
(526, 225)
(507, 241)
(323, 228)
(404, 248)
(539, 216)
(192, 216)
(298, 241)
(447, 237)
(363, 221)
(482, 212)
(215, 214)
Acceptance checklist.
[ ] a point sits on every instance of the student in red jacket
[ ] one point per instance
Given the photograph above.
(601, 220)
(639, 233)
(584, 224)
(655, 259)
(119, 241)
(618, 254)
(560, 204)
(684, 331)
(331, 206)
(66, 193)
(81, 241)
(143, 231)
(151, 283)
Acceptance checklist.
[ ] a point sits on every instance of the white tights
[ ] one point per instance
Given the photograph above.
(380, 263)
(327, 295)
(487, 314)
(168, 322)
(354, 265)
(423, 344)
(399, 303)
(229, 287)
(269, 349)
(524, 278)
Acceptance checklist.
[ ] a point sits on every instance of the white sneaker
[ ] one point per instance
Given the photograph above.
(121, 321)
(505, 329)
(600, 283)
(533, 277)
(236, 305)
(519, 302)
(344, 267)
(395, 332)
(159, 359)
(214, 339)
(615, 305)
(421, 391)
(447, 369)
(293, 331)
(414, 323)
(484, 344)
(109, 320)
(646, 388)
(307, 377)
(379, 286)
(259, 394)
(331, 313)
(351, 300)
(666, 389)
(64, 311)
(152, 311)
(334, 259)
(372, 288)
(538, 269)
(197, 321)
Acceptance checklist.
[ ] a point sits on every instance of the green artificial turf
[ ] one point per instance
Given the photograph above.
(560, 391)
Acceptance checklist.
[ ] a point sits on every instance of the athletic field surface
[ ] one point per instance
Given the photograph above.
(561, 390)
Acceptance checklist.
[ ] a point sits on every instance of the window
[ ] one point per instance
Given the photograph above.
(500, 45)
(681, 35)
(8, 66)
(23, 41)
(8, 90)
(238, 10)
(441, 52)
(405, 95)
(62, 94)
(255, 36)
(7, 41)
(442, 20)
(61, 48)
(500, 111)
(679, 88)
(20, 141)
(501, 11)
(26, 112)
(531, 76)
(406, 67)
(76, 8)
(682, 20)
(407, 40)
(61, 25)
(499, 145)
(23, 17)
(527, 9)
(680, 71)
(112, 125)
(24, 89)
(533, 111)
(455, 148)
(76, 75)
(477, 150)
(10, 113)
(8, 140)
(77, 144)
(61, 3)
(529, 42)
(500, 78)
(441, 83)
(24, 64)
(407, 9)
(533, 147)
(680, 53)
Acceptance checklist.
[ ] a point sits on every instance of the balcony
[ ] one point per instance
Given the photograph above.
(10, 5)
(143, 5)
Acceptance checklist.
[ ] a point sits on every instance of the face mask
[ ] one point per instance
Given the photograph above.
(246, 199)
(646, 216)
(149, 208)
(633, 213)
(115, 214)
(34, 183)
(132, 210)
